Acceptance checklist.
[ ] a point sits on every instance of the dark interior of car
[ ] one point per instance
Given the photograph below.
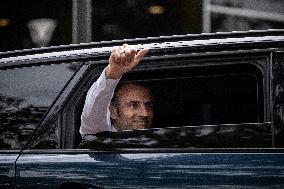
(205, 95)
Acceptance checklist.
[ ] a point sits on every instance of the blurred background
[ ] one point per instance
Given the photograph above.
(40, 23)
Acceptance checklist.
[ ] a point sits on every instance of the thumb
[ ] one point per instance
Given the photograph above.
(140, 55)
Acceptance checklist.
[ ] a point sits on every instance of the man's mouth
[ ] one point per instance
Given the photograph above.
(142, 124)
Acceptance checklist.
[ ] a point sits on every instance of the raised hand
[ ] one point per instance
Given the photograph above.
(122, 60)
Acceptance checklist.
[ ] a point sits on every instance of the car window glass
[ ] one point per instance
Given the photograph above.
(246, 135)
(25, 95)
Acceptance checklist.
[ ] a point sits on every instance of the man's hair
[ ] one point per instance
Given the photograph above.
(114, 100)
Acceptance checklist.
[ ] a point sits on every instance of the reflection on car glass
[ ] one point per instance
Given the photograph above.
(210, 136)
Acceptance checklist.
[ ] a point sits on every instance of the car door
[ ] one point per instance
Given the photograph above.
(151, 168)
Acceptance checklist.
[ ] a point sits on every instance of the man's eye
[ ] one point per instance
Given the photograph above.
(133, 105)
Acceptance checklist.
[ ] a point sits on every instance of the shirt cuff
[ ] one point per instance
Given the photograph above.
(110, 82)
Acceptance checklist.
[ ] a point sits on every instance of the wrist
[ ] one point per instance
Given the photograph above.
(112, 74)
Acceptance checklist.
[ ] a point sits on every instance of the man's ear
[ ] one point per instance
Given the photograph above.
(113, 111)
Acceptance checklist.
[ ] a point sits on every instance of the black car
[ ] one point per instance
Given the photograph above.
(218, 117)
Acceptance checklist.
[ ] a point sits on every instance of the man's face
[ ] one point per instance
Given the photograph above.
(133, 108)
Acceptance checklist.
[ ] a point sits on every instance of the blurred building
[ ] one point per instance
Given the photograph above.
(241, 15)
(31, 23)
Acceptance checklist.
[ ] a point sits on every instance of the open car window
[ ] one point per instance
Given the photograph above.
(213, 104)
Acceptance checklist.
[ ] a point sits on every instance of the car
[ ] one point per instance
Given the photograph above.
(218, 115)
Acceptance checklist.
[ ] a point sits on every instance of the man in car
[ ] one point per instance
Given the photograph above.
(132, 103)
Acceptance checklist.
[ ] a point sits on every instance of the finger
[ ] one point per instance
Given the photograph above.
(140, 55)
(132, 56)
(116, 56)
(125, 45)
(122, 57)
(133, 53)
(129, 54)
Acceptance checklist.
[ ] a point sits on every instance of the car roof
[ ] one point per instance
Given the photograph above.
(193, 43)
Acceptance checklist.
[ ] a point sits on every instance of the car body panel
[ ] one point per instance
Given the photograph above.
(153, 170)
(7, 169)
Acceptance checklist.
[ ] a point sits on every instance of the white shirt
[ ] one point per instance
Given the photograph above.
(95, 117)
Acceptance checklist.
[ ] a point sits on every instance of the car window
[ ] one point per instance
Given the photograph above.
(204, 107)
(25, 95)
(223, 93)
